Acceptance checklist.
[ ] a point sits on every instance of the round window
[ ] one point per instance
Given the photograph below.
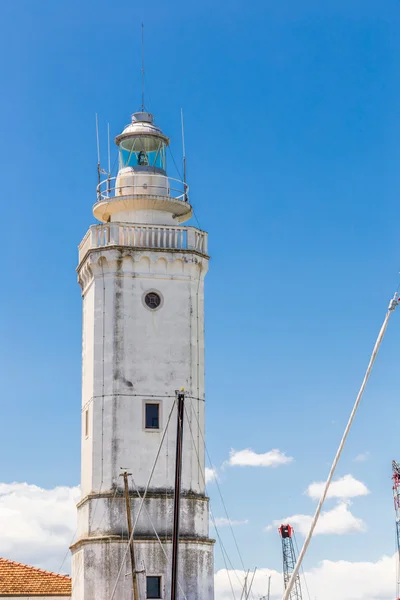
(152, 300)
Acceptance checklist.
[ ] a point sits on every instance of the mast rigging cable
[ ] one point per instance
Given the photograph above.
(392, 305)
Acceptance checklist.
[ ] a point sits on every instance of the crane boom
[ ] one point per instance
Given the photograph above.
(289, 561)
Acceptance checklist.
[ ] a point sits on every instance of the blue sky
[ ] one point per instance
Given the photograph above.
(292, 125)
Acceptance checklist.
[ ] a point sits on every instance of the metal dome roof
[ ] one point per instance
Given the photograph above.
(141, 125)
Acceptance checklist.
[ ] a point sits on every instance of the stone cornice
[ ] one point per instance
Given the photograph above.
(135, 249)
(112, 539)
(162, 494)
(123, 261)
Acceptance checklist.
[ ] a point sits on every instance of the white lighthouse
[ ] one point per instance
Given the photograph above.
(142, 277)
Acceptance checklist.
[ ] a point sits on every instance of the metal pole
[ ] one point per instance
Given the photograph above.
(109, 161)
(131, 547)
(393, 303)
(269, 587)
(251, 584)
(98, 156)
(142, 67)
(184, 157)
(244, 590)
(180, 396)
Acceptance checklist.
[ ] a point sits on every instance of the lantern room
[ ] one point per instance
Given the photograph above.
(142, 192)
(142, 145)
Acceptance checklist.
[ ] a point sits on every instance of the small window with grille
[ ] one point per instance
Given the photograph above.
(152, 415)
(153, 586)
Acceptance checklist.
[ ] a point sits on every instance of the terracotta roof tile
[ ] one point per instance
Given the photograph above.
(16, 579)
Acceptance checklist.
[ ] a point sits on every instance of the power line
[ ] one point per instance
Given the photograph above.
(155, 532)
(142, 503)
(211, 512)
(221, 496)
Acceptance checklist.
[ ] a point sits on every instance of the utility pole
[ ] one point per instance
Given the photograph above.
(125, 475)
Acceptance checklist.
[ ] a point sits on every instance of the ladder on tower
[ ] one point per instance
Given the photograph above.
(289, 561)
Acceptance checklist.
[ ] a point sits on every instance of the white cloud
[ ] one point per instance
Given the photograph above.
(249, 458)
(329, 580)
(210, 475)
(345, 487)
(362, 457)
(223, 522)
(337, 521)
(37, 525)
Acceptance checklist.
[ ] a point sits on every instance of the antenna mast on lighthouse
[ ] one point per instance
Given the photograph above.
(142, 67)
(184, 156)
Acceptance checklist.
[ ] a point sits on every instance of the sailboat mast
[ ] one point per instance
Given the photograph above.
(180, 396)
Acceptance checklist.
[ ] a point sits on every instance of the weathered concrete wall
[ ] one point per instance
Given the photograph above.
(131, 355)
(107, 516)
(103, 558)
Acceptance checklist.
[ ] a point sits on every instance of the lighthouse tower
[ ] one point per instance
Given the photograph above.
(142, 274)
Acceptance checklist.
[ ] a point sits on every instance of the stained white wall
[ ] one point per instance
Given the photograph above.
(104, 558)
(106, 515)
(132, 354)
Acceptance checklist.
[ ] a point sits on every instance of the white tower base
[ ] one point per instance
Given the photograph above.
(96, 563)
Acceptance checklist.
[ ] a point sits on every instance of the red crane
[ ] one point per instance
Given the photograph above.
(396, 497)
(289, 561)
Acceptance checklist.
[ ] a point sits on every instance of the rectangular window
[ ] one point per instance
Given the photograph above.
(153, 587)
(87, 423)
(152, 416)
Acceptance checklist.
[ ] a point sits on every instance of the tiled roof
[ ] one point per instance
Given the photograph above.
(17, 579)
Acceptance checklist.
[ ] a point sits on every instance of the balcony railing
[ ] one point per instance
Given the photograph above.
(143, 236)
(142, 184)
